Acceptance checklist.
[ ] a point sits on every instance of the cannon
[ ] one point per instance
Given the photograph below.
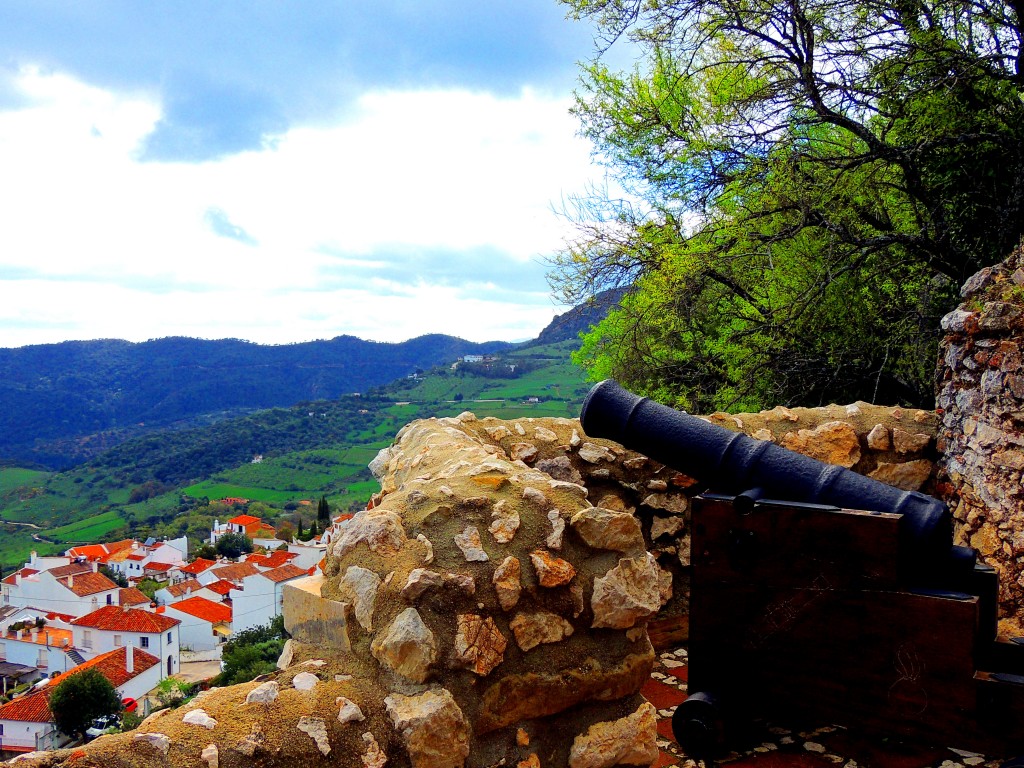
(820, 593)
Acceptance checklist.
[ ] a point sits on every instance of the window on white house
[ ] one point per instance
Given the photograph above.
(87, 638)
(110, 599)
(145, 642)
(118, 641)
(169, 640)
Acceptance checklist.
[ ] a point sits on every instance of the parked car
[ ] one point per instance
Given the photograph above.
(129, 704)
(101, 725)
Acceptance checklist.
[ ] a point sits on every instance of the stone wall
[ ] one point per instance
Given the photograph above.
(980, 391)
(491, 606)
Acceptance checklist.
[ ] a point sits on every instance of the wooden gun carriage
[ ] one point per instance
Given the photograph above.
(846, 603)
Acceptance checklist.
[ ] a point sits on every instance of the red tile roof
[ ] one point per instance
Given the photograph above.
(34, 707)
(12, 579)
(198, 565)
(235, 571)
(158, 567)
(99, 551)
(286, 572)
(88, 583)
(244, 520)
(136, 557)
(183, 587)
(273, 560)
(222, 587)
(118, 619)
(207, 610)
(72, 569)
(131, 596)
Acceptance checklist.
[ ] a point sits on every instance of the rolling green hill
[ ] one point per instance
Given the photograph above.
(281, 459)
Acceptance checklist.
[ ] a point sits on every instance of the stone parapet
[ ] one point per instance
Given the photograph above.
(980, 389)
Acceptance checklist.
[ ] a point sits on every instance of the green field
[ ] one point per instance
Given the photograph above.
(15, 477)
(89, 530)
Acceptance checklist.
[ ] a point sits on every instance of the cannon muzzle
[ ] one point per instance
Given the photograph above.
(733, 463)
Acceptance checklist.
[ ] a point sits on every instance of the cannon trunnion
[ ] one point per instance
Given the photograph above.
(845, 603)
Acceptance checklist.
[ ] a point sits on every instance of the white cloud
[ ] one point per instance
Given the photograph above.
(134, 256)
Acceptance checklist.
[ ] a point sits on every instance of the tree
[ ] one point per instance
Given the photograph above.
(252, 652)
(233, 545)
(313, 531)
(809, 182)
(298, 527)
(206, 551)
(323, 512)
(80, 698)
(115, 576)
(285, 531)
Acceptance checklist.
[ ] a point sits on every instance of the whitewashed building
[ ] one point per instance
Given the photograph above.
(114, 627)
(261, 598)
(205, 624)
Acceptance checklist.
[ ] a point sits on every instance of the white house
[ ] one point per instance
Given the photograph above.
(205, 624)
(113, 627)
(26, 723)
(260, 598)
(307, 554)
(172, 593)
(44, 648)
(75, 588)
(152, 559)
(262, 534)
(228, 572)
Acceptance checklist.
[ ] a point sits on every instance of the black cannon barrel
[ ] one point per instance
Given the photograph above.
(731, 462)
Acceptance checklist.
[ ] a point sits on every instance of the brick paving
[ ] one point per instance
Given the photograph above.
(824, 747)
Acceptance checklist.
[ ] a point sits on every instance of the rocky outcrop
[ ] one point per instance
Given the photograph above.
(981, 393)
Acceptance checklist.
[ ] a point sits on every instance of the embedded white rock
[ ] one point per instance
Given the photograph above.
(158, 740)
(316, 729)
(359, 586)
(408, 647)
(533, 629)
(211, 755)
(631, 740)
(263, 693)
(305, 681)
(554, 540)
(626, 594)
(199, 717)
(504, 522)
(469, 542)
(432, 726)
(349, 711)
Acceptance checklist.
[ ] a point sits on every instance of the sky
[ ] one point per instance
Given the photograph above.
(283, 172)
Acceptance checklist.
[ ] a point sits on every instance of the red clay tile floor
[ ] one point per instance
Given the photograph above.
(824, 747)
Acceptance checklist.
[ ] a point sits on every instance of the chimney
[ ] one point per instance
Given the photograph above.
(129, 657)
(34, 634)
(21, 633)
(17, 579)
(71, 582)
(95, 566)
(32, 559)
(65, 642)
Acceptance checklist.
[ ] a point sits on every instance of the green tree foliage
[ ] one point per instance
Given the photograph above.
(80, 698)
(233, 545)
(252, 652)
(809, 182)
(323, 511)
(148, 587)
(115, 576)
